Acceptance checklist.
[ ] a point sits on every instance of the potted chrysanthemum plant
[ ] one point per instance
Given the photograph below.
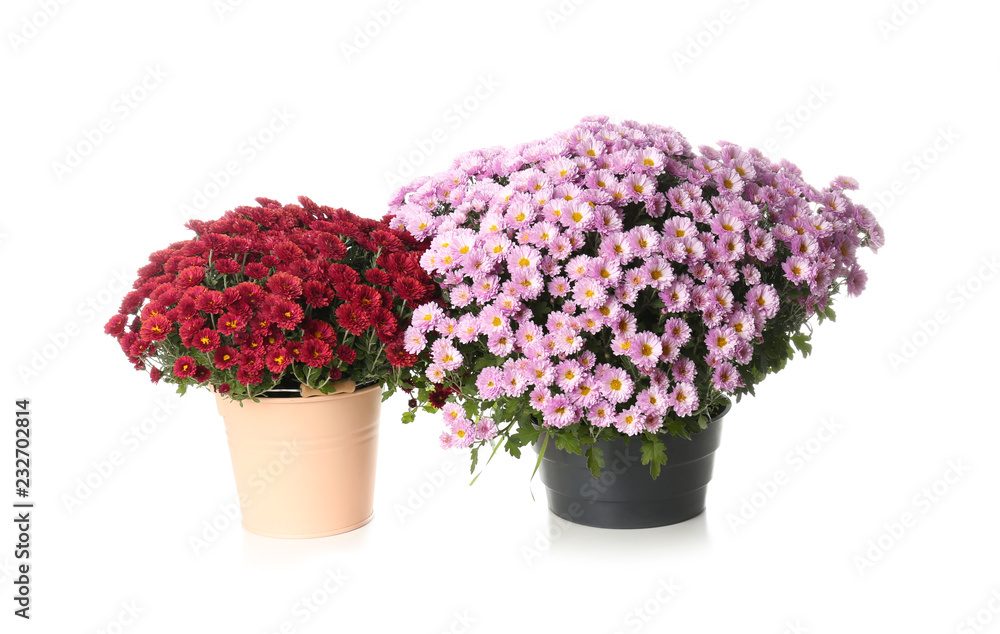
(609, 292)
(293, 315)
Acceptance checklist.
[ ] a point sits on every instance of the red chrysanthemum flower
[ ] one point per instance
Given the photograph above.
(249, 376)
(284, 313)
(256, 270)
(315, 329)
(206, 340)
(399, 264)
(186, 309)
(252, 293)
(202, 374)
(409, 289)
(116, 325)
(226, 266)
(346, 354)
(224, 388)
(398, 356)
(185, 367)
(377, 276)
(230, 323)
(155, 328)
(315, 353)
(211, 302)
(155, 374)
(277, 359)
(365, 297)
(191, 276)
(330, 246)
(285, 285)
(131, 303)
(224, 357)
(166, 294)
(316, 294)
(288, 252)
(387, 241)
(352, 319)
(190, 329)
(343, 274)
(386, 325)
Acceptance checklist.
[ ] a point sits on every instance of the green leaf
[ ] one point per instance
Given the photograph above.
(595, 460)
(569, 443)
(654, 454)
(801, 341)
(409, 417)
(541, 454)
(475, 459)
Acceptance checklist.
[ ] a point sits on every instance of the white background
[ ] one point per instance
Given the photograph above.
(899, 94)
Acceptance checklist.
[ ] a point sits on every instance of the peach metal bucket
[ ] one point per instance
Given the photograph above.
(304, 466)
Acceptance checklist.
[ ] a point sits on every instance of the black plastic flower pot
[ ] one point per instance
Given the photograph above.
(626, 496)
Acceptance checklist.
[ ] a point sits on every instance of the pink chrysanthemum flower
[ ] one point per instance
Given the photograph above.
(601, 414)
(763, 299)
(616, 386)
(435, 373)
(559, 411)
(653, 401)
(684, 399)
(797, 269)
(646, 349)
(630, 422)
(589, 293)
(500, 343)
(426, 316)
(726, 378)
(490, 383)
(721, 341)
(415, 341)
(677, 330)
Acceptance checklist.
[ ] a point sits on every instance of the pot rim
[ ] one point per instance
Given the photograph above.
(299, 400)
